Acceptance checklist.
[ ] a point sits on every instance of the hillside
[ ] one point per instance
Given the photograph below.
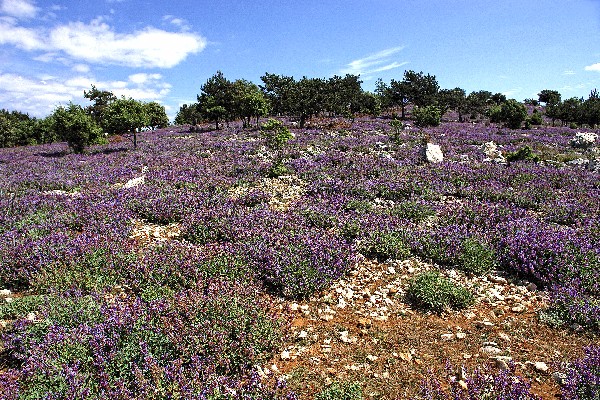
(191, 268)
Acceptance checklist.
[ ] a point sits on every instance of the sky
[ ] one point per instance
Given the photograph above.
(52, 50)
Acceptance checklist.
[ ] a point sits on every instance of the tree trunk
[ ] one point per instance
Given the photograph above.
(302, 121)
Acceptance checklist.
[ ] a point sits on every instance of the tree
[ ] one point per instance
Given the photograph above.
(343, 95)
(478, 102)
(569, 111)
(278, 91)
(451, 99)
(125, 115)
(74, 125)
(249, 101)
(398, 95)
(498, 98)
(590, 109)
(216, 99)
(101, 99)
(188, 114)
(427, 116)
(308, 98)
(513, 113)
(422, 89)
(549, 97)
(157, 116)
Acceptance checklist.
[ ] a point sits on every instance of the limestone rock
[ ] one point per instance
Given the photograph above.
(433, 153)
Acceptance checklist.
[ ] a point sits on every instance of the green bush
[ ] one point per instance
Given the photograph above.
(276, 135)
(412, 210)
(75, 126)
(525, 153)
(341, 391)
(536, 118)
(385, 245)
(430, 290)
(494, 114)
(476, 257)
(427, 116)
(513, 113)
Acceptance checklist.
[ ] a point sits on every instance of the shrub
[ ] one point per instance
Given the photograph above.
(427, 116)
(432, 291)
(341, 391)
(76, 127)
(494, 114)
(525, 153)
(276, 134)
(382, 245)
(481, 384)
(412, 210)
(583, 377)
(513, 113)
(476, 257)
(536, 118)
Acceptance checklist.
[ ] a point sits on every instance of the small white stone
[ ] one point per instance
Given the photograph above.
(285, 355)
(541, 367)
(372, 358)
(5, 292)
(447, 337)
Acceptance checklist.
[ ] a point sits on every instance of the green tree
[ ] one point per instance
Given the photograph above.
(343, 95)
(101, 99)
(125, 115)
(216, 100)
(513, 113)
(549, 97)
(452, 99)
(308, 98)
(74, 125)
(590, 109)
(8, 131)
(278, 90)
(427, 116)
(188, 114)
(569, 111)
(249, 101)
(422, 89)
(478, 102)
(498, 99)
(398, 95)
(157, 116)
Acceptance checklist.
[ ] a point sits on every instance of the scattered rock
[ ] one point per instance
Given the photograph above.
(140, 180)
(5, 292)
(432, 153)
(461, 335)
(560, 378)
(540, 366)
(372, 358)
(490, 350)
(447, 337)
(492, 153)
(518, 308)
(532, 287)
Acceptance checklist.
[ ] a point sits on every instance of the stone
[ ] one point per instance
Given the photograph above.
(492, 153)
(5, 292)
(532, 287)
(540, 366)
(490, 350)
(302, 335)
(285, 355)
(447, 337)
(501, 364)
(518, 308)
(560, 378)
(433, 153)
(461, 335)
(372, 358)
(134, 182)
(584, 140)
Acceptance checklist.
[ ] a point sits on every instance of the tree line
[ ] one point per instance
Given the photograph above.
(81, 126)
(417, 96)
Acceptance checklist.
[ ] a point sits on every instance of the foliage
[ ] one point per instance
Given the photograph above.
(276, 134)
(216, 99)
(476, 257)
(341, 391)
(427, 116)
(101, 99)
(452, 99)
(157, 115)
(76, 127)
(385, 245)
(125, 115)
(188, 114)
(432, 291)
(524, 153)
(512, 113)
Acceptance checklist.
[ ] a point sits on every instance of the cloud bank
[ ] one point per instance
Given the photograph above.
(376, 62)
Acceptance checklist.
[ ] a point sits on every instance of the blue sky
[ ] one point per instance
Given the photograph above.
(163, 51)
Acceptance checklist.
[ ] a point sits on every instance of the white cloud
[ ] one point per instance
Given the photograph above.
(82, 68)
(39, 95)
(568, 72)
(98, 43)
(178, 22)
(18, 8)
(151, 47)
(376, 62)
(593, 67)
(23, 38)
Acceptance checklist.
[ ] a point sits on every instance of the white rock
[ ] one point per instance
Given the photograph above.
(285, 355)
(490, 350)
(447, 337)
(5, 292)
(134, 182)
(433, 153)
(541, 366)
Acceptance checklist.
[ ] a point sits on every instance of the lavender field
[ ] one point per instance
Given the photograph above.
(167, 272)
